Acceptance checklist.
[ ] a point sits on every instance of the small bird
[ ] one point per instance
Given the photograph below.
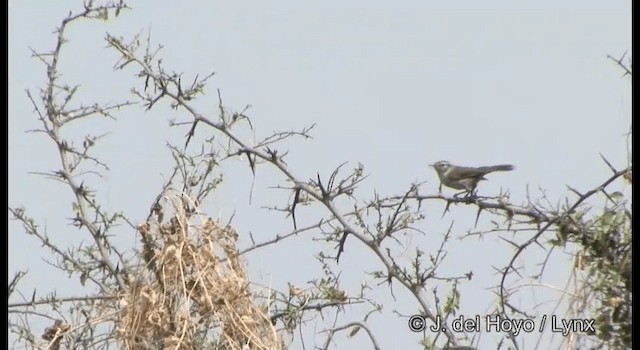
(463, 177)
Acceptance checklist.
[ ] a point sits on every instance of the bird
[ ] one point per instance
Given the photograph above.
(465, 178)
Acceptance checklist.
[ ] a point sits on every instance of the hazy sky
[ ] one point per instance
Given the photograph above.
(393, 86)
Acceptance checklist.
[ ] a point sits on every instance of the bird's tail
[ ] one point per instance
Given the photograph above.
(502, 167)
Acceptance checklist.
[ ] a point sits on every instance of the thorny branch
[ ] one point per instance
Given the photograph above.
(556, 221)
(168, 85)
(54, 115)
(626, 67)
(327, 191)
(54, 107)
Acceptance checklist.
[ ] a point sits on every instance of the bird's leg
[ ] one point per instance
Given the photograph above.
(440, 187)
(472, 193)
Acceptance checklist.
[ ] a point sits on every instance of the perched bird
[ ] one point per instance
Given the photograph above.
(463, 177)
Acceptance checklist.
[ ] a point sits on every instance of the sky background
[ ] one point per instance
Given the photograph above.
(393, 86)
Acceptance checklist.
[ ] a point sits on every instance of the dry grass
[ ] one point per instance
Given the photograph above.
(192, 290)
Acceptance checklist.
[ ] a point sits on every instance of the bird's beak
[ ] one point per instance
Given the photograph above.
(431, 165)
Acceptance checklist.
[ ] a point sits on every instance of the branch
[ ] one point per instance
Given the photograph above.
(548, 224)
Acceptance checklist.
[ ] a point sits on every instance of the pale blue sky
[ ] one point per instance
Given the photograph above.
(394, 86)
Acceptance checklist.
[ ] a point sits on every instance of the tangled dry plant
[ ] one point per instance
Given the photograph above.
(192, 281)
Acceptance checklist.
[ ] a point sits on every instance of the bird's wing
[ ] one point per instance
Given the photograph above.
(463, 172)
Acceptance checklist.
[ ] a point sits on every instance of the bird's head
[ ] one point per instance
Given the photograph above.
(441, 166)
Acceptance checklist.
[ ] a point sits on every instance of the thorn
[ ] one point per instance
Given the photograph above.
(574, 191)
(446, 209)
(296, 199)
(478, 216)
(341, 245)
(252, 164)
(510, 242)
(609, 164)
